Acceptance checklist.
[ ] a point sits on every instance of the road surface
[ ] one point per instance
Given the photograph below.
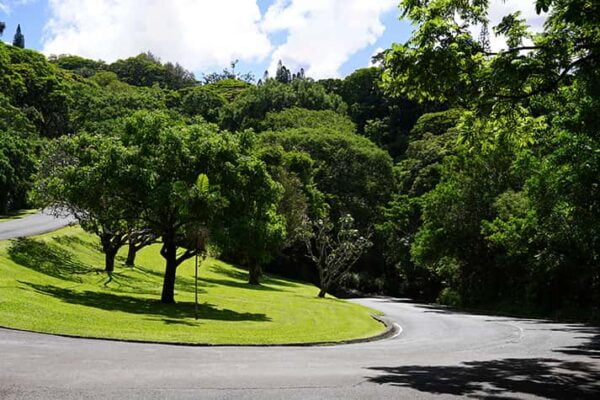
(34, 224)
(439, 354)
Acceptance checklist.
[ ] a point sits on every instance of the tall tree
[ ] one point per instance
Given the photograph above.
(334, 250)
(258, 230)
(2, 27)
(283, 74)
(514, 217)
(19, 39)
(83, 175)
(192, 183)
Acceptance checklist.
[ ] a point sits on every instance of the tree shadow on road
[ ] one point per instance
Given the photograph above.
(589, 345)
(136, 305)
(501, 379)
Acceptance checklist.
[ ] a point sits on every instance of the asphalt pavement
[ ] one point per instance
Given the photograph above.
(31, 225)
(438, 354)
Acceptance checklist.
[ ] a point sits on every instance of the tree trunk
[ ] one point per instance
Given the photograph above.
(322, 293)
(131, 253)
(169, 252)
(109, 261)
(254, 274)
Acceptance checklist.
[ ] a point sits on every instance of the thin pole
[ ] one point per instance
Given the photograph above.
(196, 283)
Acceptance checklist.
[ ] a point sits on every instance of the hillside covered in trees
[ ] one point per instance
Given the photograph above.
(473, 173)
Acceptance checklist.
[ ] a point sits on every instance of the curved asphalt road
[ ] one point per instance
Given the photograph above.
(34, 224)
(439, 354)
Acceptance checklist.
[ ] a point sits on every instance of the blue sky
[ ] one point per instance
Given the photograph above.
(326, 37)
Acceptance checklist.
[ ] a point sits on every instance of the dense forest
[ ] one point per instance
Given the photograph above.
(474, 172)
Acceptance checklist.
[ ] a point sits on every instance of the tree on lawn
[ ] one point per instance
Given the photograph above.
(83, 176)
(191, 180)
(257, 230)
(138, 238)
(334, 251)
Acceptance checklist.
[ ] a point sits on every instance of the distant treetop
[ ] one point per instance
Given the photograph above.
(19, 40)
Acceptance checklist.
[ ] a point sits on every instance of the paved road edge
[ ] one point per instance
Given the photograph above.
(391, 330)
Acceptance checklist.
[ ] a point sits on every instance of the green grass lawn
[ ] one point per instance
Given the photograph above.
(54, 283)
(17, 215)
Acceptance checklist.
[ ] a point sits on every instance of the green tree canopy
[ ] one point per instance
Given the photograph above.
(83, 176)
(353, 173)
(235, 205)
(79, 65)
(37, 88)
(253, 105)
(303, 118)
(146, 70)
(202, 101)
(17, 156)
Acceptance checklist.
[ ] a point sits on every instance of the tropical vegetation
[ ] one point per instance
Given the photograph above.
(472, 170)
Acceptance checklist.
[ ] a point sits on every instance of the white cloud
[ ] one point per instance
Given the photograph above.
(323, 35)
(199, 34)
(7, 6)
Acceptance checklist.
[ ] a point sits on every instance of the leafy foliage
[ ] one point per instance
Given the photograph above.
(384, 119)
(147, 70)
(17, 164)
(81, 175)
(352, 172)
(334, 251)
(303, 118)
(35, 87)
(201, 101)
(79, 65)
(272, 96)
(509, 216)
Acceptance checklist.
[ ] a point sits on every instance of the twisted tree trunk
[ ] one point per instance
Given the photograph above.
(131, 253)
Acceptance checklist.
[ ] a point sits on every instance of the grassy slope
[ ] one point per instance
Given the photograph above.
(54, 284)
(17, 215)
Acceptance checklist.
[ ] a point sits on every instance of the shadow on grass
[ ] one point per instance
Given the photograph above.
(72, 241)
(49, 259)
(240, 280)
(499, 379)
(135, 305)
(239, 285)
(182, 282)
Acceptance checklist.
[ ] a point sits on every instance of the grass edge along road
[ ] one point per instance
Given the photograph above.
(54, 283)
(17, 215)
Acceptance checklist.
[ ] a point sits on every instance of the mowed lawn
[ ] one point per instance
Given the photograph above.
(54, 283)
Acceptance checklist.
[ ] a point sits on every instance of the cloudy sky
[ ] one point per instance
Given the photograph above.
(328, 38)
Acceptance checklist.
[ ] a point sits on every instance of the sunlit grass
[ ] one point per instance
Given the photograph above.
(54, 283)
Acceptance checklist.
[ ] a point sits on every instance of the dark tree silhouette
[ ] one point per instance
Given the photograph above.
(19, 40)
(2, 27)
(283, 74)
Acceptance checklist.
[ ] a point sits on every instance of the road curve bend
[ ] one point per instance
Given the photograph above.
(439, 354)
(31, 225)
